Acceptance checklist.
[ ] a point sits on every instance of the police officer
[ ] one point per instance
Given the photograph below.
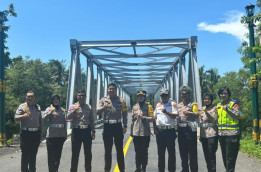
(142, 116)
(228, 128)
(165, 114)
(83, 131)
(208, 131)
(187, 130)
(115, 109)
(29, 114)
(56, 132)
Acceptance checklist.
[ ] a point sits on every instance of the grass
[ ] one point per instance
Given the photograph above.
(248, 146)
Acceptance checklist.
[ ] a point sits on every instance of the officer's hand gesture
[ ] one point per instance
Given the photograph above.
(52, 109)
(26, 115)
(204, 108)
(187, 111)
(76, 107)
(105, 105)
(164, 110)
(225, 108)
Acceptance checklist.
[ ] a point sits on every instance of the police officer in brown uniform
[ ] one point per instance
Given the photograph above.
(141, 119)
(83, 131)
(209, 131)
(187, 130)
(56, 132)
(29, 114)
(228, 128)
(115, 109)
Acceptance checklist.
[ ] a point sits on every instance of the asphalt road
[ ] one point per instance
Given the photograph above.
(11, 162)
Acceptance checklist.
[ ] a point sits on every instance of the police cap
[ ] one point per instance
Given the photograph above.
(141, 92)
(164, 91)
(185, 89)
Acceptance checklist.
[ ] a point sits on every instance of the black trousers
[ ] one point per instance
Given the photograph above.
(210, 146)
(141, 146)
(78, 137)
(229, 148)
(188, 149)
(113, 132)
(166, 140)
(54, 152)
(29, 143)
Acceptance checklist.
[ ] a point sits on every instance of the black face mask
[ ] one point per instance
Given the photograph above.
(142, 103)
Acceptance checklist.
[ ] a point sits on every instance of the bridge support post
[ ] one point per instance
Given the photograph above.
(72, 74)
(171, 82)
(106, 81)
(99, 87)
(90, 84)
(194, 80)
(176, 83)
(78, 72)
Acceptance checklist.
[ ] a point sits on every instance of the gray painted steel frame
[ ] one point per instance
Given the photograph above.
(134, 65)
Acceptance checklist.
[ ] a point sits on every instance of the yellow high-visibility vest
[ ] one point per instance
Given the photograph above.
(225, 121)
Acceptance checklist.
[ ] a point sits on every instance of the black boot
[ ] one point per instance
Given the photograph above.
(138, 167)
(143, 169)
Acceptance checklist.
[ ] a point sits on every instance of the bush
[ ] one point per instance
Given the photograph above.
(248, 146)
(9, 142)
(11, 128)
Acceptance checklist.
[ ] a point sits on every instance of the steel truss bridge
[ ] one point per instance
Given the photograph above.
(133, 65)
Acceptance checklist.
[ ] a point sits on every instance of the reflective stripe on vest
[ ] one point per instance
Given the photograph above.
(225, 121)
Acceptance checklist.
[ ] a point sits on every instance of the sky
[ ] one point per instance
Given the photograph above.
(43, 28)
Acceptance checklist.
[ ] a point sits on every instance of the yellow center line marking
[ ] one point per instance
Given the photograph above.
(116, 169)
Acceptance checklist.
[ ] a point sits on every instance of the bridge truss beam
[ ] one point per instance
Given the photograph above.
(134, 65)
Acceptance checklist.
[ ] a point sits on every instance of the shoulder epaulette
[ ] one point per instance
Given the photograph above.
(23, 104)
(158, 104)
(235, 101)
(37, 106)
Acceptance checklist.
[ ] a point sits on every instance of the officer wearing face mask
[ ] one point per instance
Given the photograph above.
(141, 119)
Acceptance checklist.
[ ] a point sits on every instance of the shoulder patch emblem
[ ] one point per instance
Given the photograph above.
(236, 107)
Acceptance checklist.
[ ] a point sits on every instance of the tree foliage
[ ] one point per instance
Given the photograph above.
(9, 12)
(245, 49)
(44, 79)
(208, 79)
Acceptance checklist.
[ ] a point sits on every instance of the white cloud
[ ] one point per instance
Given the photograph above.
(232, 25)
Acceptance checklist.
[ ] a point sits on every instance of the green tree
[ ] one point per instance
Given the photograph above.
(208, 79)
(59, 79)
(11, 12)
